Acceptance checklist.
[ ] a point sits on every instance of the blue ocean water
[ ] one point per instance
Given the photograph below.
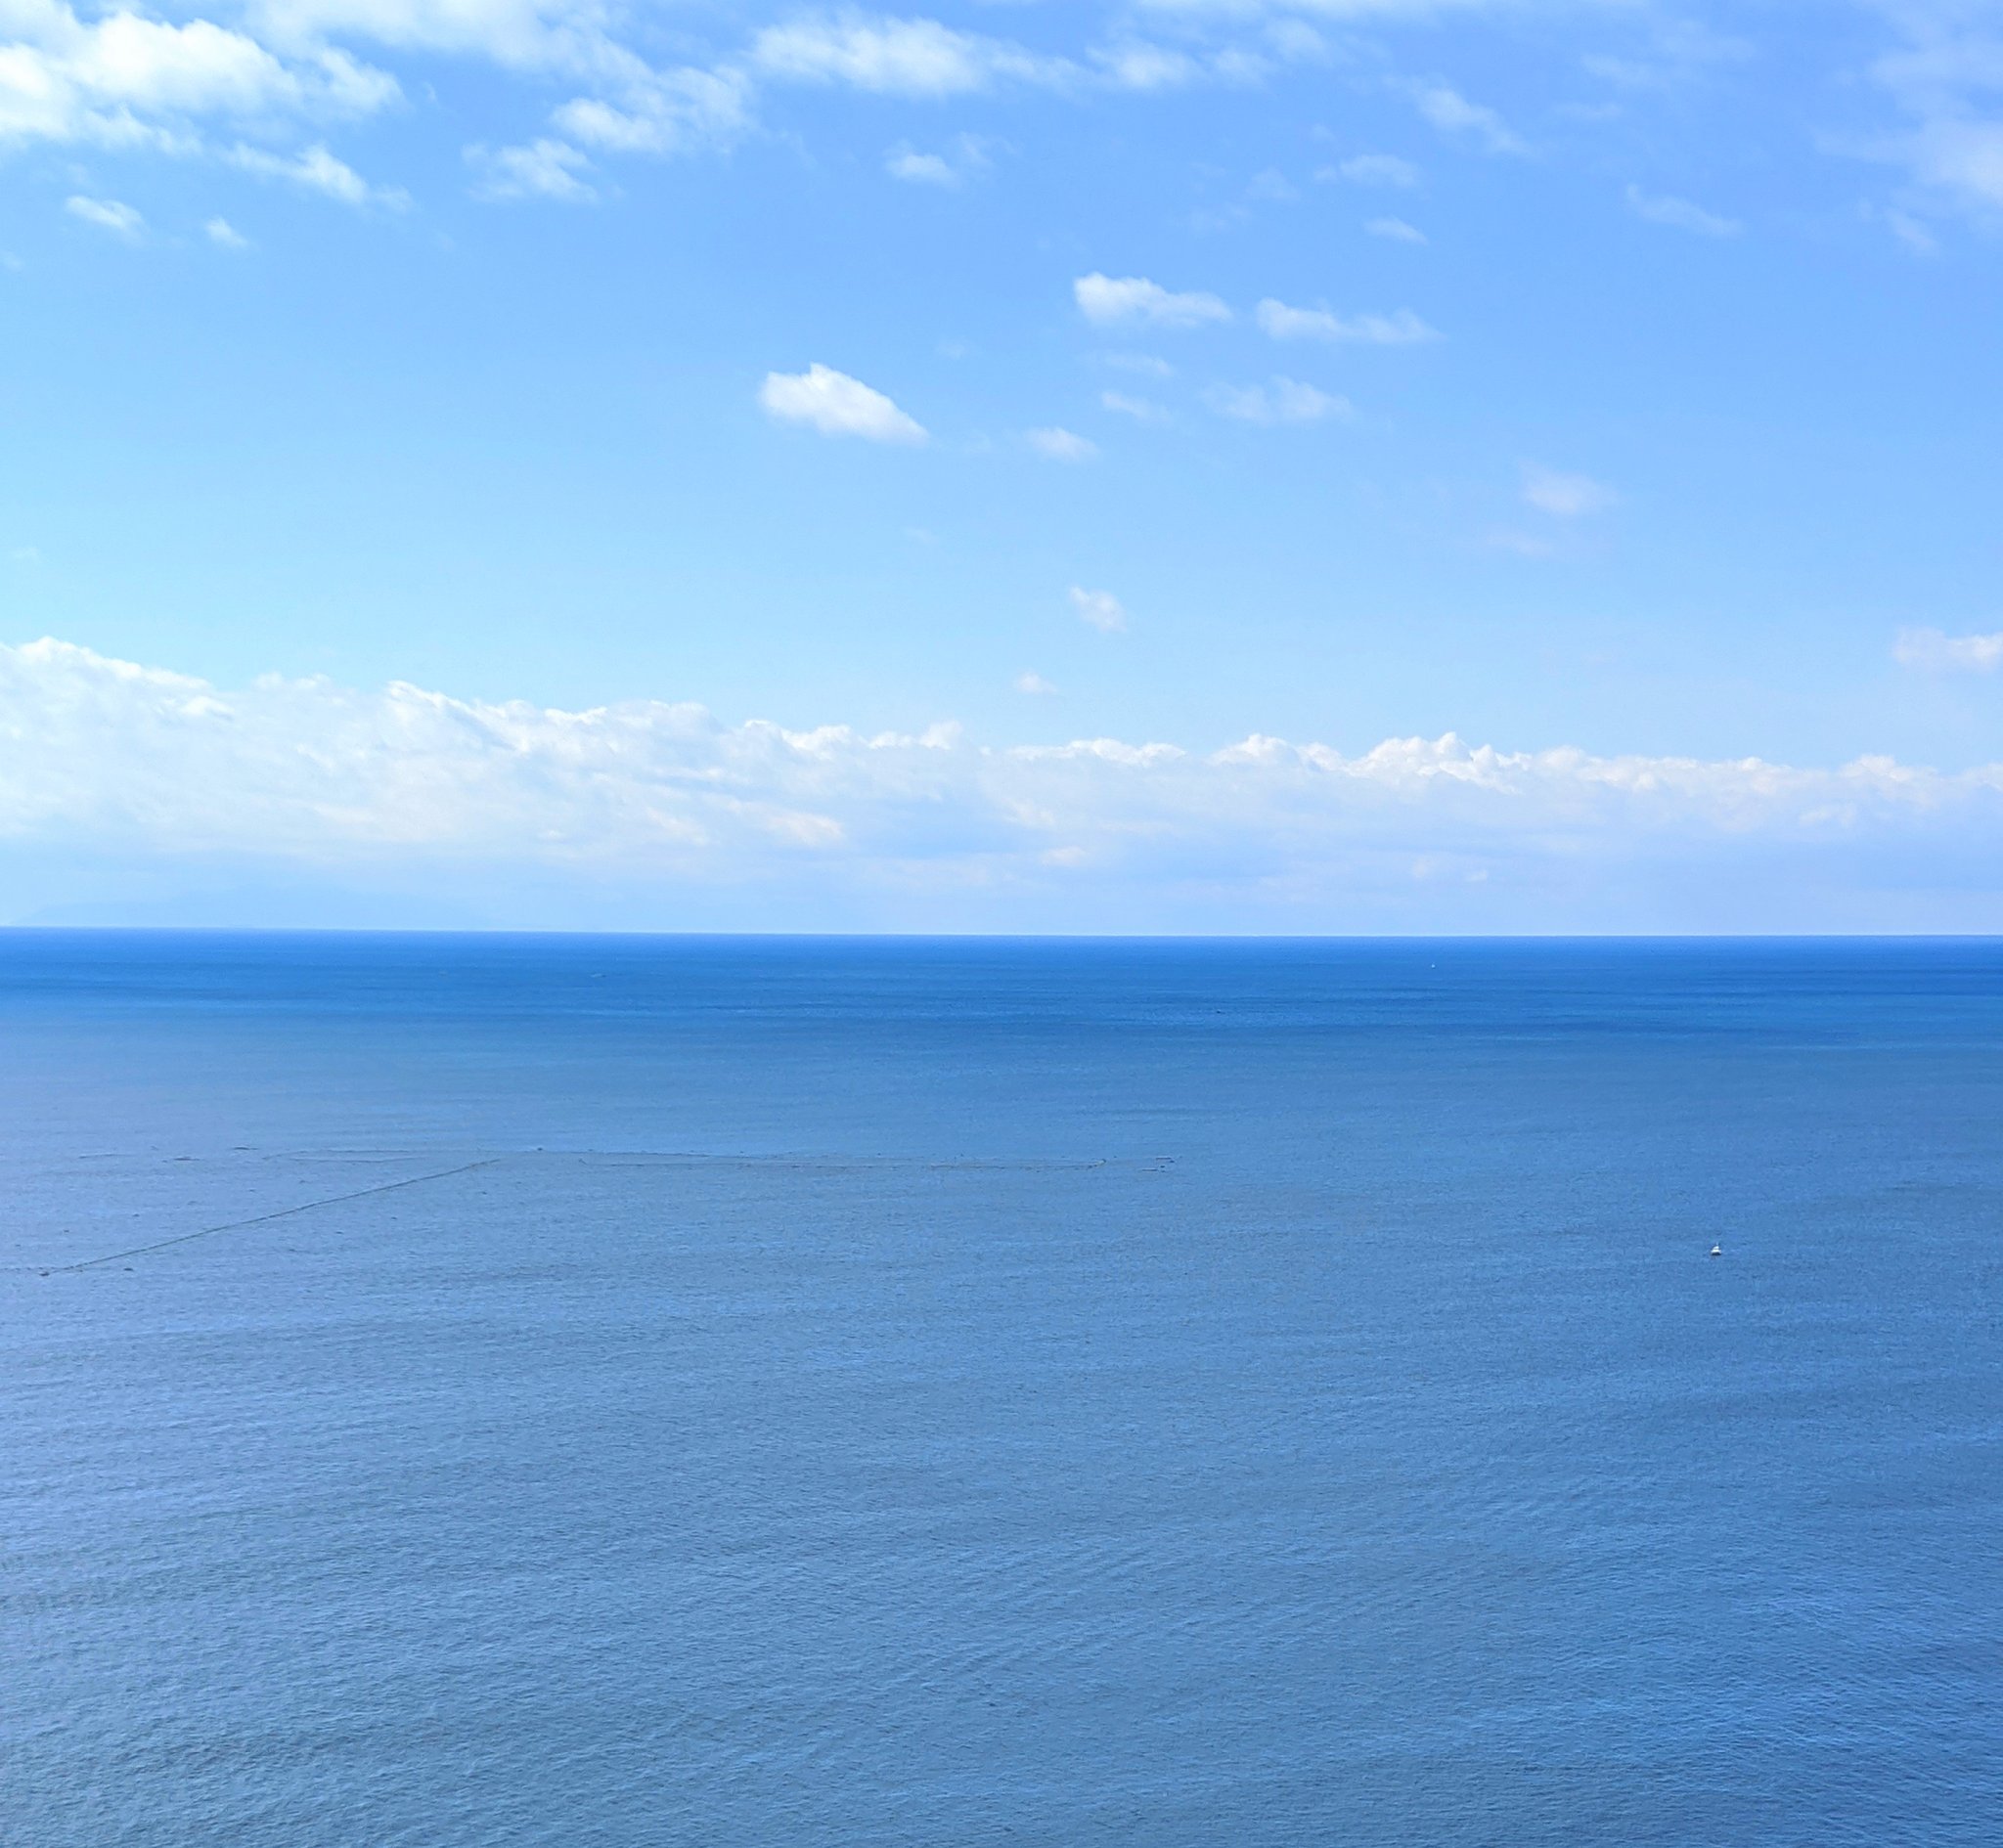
(656, 1391)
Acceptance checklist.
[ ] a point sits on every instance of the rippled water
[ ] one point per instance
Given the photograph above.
(794, 1392)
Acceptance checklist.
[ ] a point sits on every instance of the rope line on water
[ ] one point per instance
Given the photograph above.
(265, 1218)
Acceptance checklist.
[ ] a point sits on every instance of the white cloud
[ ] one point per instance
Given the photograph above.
(967, 154)
(1034, 684)
(1395, 231)
(1959, 158)
(1140, 410)
(1672, 54)
(1680, 213)
(1373, 169)
(125, 80)
(1062, 445)
(1100, 608)
(1141, 365)
(1451, 114)
(527, 35)
(1284, 401)
(836, 405)
(927, 59)
(1943, 78)
(1564, 496)
(1941, 652)
(137, 767)
(1519, 544)
(319, 171)
(108, 214)
(1400, 328)
(921, 169)
(1134, 64)
(1910, 232)
(659, 111)
(221, 230)
(1115, 301)
(913, 57)
(546, 168)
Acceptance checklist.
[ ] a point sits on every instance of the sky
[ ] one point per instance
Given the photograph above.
(1220, 466)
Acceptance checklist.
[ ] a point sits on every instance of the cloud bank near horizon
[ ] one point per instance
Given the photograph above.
(672, 816)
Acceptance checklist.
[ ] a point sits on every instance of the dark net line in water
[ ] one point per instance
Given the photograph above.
(265, 1218)
(628, 1159)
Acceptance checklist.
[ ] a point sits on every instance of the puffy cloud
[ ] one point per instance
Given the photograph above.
(836, 405)
(221, 230)
(1680, 214)
(125, 79)
(1120, 300)
(1062, 445)
(921, 169)
(966, 154)
(1100, 608)
(1954, 654)
(1034, 684)
(1401, 328)
(108, 214)
(1566, 497)
(1284, 401)
(136, 766)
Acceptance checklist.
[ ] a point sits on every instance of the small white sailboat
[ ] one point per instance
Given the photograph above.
(1718, 1251)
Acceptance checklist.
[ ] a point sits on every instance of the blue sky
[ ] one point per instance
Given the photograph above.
(1607, 383)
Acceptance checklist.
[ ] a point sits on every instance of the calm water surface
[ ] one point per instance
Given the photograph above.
(839, 1392)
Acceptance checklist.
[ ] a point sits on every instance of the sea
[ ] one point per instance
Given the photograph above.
(469, 1392)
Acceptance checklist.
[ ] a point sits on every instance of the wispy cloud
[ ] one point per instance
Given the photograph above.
(1057, 444)
(1282, 401)
(1141, 409)
(1372, 169)
(106, 214)
(1943, 77)
(1134, 300)
(1100, 608)
(1942, 653)
(1452, 114)
(545, 168)
(1564, 496)
(1400, 328)
(1680, 214)
(318, 170)
(892, 57)
(1395, 231)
